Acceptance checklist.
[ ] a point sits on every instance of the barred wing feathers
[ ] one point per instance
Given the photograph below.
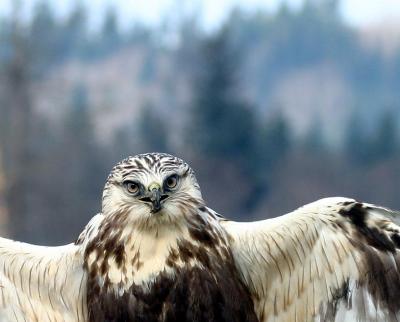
(41, 283)
(332, 260)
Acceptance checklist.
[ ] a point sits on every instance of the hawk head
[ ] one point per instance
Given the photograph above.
(151, 188)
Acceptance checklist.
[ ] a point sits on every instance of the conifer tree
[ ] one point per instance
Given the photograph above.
(223, 124)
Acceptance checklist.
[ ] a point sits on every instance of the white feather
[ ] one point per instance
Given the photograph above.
(294, 264)
(41, 283)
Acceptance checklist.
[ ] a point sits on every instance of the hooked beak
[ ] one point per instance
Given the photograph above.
(155, 197)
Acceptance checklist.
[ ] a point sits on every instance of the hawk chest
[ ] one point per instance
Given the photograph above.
(190, 280)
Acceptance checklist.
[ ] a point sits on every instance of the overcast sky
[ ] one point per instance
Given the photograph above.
(356, 12)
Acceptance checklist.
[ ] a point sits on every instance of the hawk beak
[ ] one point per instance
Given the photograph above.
(155, 197)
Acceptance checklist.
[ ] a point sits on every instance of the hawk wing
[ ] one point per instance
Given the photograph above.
(41, 283)
(332, 260)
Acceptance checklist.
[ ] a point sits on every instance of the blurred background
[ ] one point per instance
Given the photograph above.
(273, 103)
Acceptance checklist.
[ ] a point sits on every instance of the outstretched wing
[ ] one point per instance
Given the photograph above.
(41, 283)
(332, 260)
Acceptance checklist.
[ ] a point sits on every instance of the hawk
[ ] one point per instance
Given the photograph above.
(156, 252)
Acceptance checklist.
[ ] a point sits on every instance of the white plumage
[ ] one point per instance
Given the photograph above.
(162, 255)
(305, 265)
(41, 283)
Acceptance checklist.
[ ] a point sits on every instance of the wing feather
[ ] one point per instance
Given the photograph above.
(332, 260)
(40, 283)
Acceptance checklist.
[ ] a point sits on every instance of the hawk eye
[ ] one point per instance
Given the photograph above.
(132, 187)
(172, 181)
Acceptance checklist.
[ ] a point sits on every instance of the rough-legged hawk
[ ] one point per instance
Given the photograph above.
(157, 253)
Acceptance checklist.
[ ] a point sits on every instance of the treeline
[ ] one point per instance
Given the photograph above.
(50, 40)
(249, 156)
